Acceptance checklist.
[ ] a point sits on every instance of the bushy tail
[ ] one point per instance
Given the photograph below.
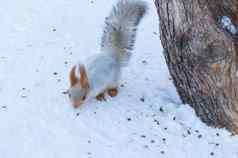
(121, 26)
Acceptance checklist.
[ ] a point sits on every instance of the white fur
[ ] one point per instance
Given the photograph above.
(103, 72)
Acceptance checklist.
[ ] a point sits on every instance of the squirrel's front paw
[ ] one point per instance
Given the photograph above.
(101, 97)
(112, 92)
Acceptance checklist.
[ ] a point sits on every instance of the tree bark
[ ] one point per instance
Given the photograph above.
(202, 56)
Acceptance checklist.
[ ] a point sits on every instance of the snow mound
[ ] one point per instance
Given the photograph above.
(40, 41)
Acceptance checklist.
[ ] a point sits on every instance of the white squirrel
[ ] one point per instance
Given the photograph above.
(102, 73)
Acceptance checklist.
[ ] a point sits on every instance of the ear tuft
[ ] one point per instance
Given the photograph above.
(83, 77)
(72, 77)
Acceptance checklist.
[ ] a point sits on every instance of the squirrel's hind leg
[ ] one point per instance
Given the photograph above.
(112, 92)
(101, 97)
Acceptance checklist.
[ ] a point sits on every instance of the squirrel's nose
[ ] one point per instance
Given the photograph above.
(77, 103)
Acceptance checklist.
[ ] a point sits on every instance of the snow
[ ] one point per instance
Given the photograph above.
(40, 41)
(227, 24)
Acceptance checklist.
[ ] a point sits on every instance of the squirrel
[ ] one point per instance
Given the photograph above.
(101, 74)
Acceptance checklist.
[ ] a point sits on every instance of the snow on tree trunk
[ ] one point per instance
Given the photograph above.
(200, 41)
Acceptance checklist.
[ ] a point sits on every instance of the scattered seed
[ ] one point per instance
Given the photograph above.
(122, 85)
(188, 131)
(144, 61)
(152, 141)
(161, 109)
(128, 119)
(143, 136)
(212, 153)
(89, 142)
(55, 73)
(78, 114)
(217, 134)
(157, 122)
(53, 30)
(4, 107)
(142, 99)
(162, 152)
(199, 136)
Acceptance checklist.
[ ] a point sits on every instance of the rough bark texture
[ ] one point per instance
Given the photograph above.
(202, 56)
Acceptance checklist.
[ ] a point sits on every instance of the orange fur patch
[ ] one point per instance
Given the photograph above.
(77, 103)
(216, 68)
(112, 92)
(83, 77)
(72, 77)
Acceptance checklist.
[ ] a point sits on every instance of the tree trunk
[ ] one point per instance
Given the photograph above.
(200, 43)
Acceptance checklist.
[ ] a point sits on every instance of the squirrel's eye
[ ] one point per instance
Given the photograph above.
(84, 97)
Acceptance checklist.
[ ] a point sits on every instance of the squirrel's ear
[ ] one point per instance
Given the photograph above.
(83, 77)
(72, 77)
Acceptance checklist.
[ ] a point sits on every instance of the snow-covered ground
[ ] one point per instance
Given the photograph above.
(40, 41)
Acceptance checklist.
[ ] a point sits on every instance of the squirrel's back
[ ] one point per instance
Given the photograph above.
(121, 25)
